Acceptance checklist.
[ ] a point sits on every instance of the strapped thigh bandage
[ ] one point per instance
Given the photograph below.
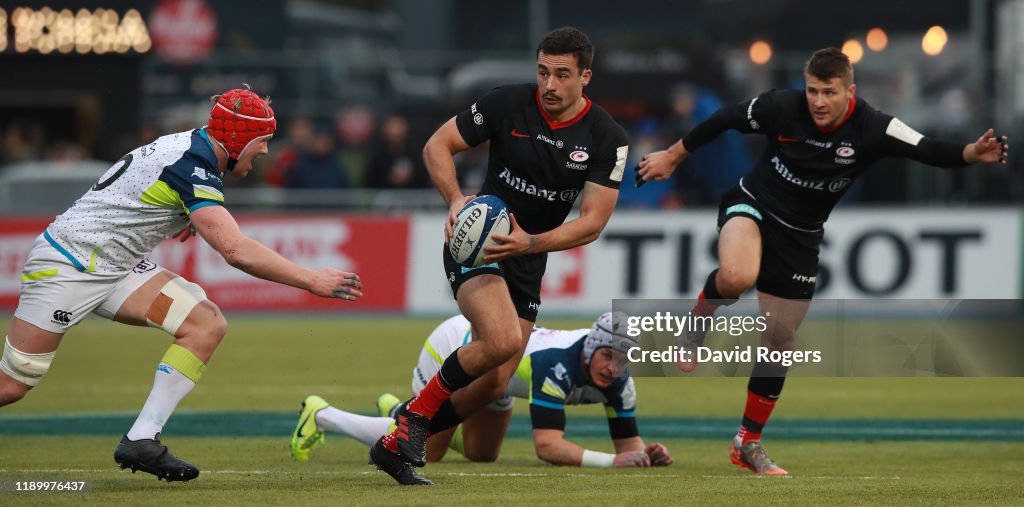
(173, 304)
(23, 367)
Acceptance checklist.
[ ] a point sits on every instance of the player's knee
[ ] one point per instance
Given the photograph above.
(179, 304)
(779, 340)
(482, 455)
(11, 390)
(544, 452)
(505, 346)
(217, 327)
(735, 281)
(210, 324)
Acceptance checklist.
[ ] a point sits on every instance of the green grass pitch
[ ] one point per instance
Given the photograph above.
(268, 364)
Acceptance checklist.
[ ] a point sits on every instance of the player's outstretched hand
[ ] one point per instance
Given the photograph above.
(517, 242)
(453, 215)
(185, 233)
(988, 149)
(661, 164)
(332, 283)
(632, 459)
(659, 455)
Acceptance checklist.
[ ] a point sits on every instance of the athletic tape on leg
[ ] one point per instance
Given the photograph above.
(503, 404)
(185, 362)
(173, 304)
(23, 367)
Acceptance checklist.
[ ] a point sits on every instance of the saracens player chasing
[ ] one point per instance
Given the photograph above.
(820, 140)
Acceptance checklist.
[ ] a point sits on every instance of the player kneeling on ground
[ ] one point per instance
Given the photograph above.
(559, 368)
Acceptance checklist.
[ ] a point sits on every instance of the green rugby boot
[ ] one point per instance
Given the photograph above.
(386, 404)
(307, 434)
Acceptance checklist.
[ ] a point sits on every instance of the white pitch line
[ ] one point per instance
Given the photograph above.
(812, 477)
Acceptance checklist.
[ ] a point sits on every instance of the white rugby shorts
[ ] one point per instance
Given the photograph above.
(56, 296)
(445, 339)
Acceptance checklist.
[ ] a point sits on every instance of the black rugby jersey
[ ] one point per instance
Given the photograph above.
(536, 165)
(804, 170)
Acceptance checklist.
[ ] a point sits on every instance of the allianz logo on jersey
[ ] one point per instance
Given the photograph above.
(556, 143)
(521, 185)
(478, 117)
(833, 185)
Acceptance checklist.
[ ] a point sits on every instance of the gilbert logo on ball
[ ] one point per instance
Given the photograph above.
(478, 221)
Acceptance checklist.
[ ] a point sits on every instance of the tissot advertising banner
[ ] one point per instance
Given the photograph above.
(883, 253)
(901, 253)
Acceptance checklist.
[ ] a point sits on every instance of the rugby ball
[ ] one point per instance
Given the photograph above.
(478, 221)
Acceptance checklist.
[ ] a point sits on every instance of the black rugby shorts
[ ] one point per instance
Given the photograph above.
(522, 274)
(789, 257)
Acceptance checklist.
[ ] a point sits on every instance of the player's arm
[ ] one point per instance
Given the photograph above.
(439, 157)
(626, 437)
(900, 140)
(620, 406)
(552, 447)
(661, 164)
(629, 444)
(747, 117)
(220, 230)
(472, 126)
(596, 205)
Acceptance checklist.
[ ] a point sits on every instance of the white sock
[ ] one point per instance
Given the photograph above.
(169, 387)
(363, 428)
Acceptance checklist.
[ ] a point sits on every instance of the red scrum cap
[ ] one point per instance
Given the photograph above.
(238, 118)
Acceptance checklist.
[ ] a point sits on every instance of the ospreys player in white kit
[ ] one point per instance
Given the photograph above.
(559, 368)
(92, 259)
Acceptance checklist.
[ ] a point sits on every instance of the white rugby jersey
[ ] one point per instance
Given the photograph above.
(551, 373)
(140, 201)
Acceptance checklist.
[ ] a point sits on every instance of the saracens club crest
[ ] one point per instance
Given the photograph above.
(845, 151)
(579, 156)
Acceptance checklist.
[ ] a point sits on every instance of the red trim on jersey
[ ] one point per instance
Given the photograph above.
(849, 113)
(555, 125)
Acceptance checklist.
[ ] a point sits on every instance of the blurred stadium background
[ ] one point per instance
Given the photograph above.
(358, 86)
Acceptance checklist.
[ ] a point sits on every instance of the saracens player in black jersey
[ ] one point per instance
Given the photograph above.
(770, 225)
(549, 146)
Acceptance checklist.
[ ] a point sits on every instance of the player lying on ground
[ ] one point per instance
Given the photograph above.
(559, 368)
(819, 140)
(92, 259)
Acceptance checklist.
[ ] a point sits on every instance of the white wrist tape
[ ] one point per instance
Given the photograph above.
(594, 459)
